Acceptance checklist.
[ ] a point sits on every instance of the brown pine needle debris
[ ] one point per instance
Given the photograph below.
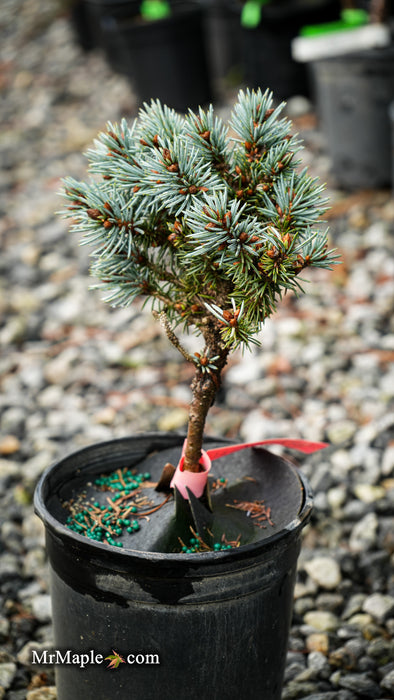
(257, 510)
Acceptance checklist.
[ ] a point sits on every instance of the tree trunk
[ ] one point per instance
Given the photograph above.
(205, 387)
(204, 391)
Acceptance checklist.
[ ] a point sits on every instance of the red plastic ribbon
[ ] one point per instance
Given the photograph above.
(305, 446)
(184, 480)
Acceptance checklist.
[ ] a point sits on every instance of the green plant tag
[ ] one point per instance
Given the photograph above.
(251, 13)
(154, 9)
(350, 19)
(354, 17)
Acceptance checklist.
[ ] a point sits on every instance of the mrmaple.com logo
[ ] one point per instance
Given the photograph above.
(89, 658)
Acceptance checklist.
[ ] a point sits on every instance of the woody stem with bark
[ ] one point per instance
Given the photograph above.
(204, 388)
(204, 391)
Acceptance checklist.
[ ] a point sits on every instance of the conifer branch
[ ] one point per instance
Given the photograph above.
(164, 322)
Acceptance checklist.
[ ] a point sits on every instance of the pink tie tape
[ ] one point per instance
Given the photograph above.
(196, 481)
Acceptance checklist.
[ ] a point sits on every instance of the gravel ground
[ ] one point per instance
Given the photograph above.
(74, 372)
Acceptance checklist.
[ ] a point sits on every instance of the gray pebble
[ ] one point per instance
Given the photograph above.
(388, 682)
(324, 571)
(363, 534)
(26, 656)
(356, 647)
(296, 691)
(388, 461)
(332, 602)
(379, 606)
(343, 657)
(34, 466)
(366, 664)
(354, 510)
(7, 673)
(45, 693)
(382, 650)
(303, 605)
(321, 620)
(342, 431)
(16, 694)
(4, 628)
(354, 605)
(34, 563)
(10, 565)
(318, 662)
(13, 420)
(322, 696)
(41, 605)
(360, 684)
(293, 670)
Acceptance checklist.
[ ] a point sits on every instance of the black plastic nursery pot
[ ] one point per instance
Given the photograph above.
(166, 59)
(223, 33)
(266, 49)
(96, 22)
(391, 117)
(188, 625)
(353, 94)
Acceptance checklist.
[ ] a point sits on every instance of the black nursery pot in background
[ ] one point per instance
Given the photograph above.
(223, 35)
(266, 49)
(167, 58)
(95, 22)
(391, 117)
(208, 625)
(353, 94)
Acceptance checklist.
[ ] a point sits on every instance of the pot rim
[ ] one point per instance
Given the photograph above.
(62, 532)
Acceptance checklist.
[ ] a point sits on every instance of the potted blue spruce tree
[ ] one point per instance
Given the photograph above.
(184, 576)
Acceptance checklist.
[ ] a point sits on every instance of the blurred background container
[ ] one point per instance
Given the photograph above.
(199, 49)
